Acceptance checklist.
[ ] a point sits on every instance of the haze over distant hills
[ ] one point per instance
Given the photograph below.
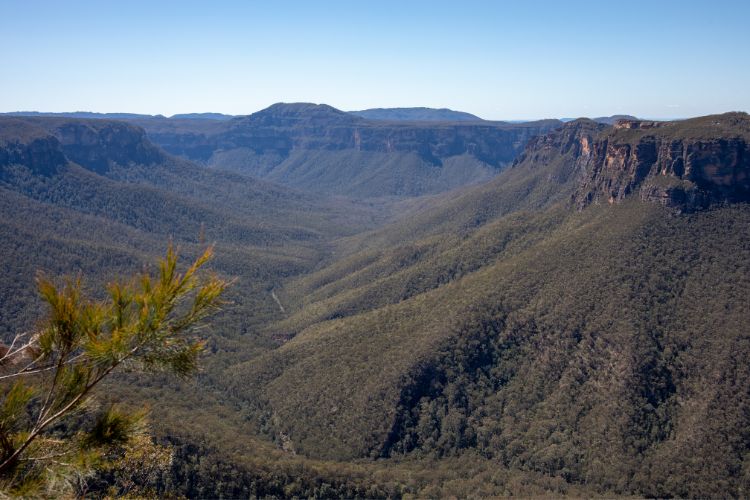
(123, 116)
(320, 148)
(416, 114)
(608, 120)
(385, 114)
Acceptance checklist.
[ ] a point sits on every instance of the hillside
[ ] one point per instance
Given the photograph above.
(320, 149)
(415, 114)
(76, 184)
(557, 329)
(579, 344)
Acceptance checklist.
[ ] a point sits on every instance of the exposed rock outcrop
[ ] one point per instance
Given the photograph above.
(44, 143)
(283, 127)
(575, 141)
(686, 165)
(25, 144)
(95, 144)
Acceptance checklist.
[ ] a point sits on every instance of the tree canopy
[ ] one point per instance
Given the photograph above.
(50, 432)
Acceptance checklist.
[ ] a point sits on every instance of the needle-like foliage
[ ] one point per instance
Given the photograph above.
(149, 322)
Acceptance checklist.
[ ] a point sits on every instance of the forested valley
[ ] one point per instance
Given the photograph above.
(442, 307)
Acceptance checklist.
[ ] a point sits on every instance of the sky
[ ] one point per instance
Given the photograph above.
(502, 60)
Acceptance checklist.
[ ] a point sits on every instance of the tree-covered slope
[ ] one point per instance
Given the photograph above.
(603, 346)
(317, 148)
(502, 338)
(98, 190)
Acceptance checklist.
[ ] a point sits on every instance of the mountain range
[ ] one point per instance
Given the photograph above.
(565, 312)
(416, 114)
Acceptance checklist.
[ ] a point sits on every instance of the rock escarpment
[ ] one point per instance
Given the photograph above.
(44, 144)
(573, 143)
(317, 148)
(685, 165)
(320, 148)
(284, 127)
(22, 143)
(95, 144)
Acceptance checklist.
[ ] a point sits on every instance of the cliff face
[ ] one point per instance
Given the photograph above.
(42, 155)
(281, 128)
(687, 165)
(45, 144)
(22, 143)
(95, 144)
(574, 142)
(319, 148)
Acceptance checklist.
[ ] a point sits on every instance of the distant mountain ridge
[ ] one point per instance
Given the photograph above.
(202, 116)
(607, 120)
(122, 116)
(416, 114)
(84, 114)
(319, 148)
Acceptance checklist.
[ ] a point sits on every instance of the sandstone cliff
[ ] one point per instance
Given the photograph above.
(686, 165)
(44, 144)
(23, 143)
(283, 127)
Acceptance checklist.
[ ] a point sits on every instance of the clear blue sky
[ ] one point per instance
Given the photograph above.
(499, 60)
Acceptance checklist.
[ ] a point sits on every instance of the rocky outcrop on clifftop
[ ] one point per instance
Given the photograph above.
(44, 143)
(302, 126)
(686, 165)
(22, 143)
(95, 144)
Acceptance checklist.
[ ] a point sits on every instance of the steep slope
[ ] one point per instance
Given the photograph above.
(320, 149)
(579, 344)
(325, 150)
(107, 177)
(685, 165)
(507, 336)
(415, 114)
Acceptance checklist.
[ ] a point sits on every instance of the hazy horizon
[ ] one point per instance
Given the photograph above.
(565, 118)
(497, 61)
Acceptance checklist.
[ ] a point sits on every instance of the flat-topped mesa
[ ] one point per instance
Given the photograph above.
(95, 144)
(283, 127)
(295, 114)
(686, 165)
(415, 114)
(45, 143)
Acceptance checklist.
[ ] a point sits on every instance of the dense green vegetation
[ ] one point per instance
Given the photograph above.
(49, 376)
(492, 340)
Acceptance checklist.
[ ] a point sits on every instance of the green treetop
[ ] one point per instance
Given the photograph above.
(48, 377)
